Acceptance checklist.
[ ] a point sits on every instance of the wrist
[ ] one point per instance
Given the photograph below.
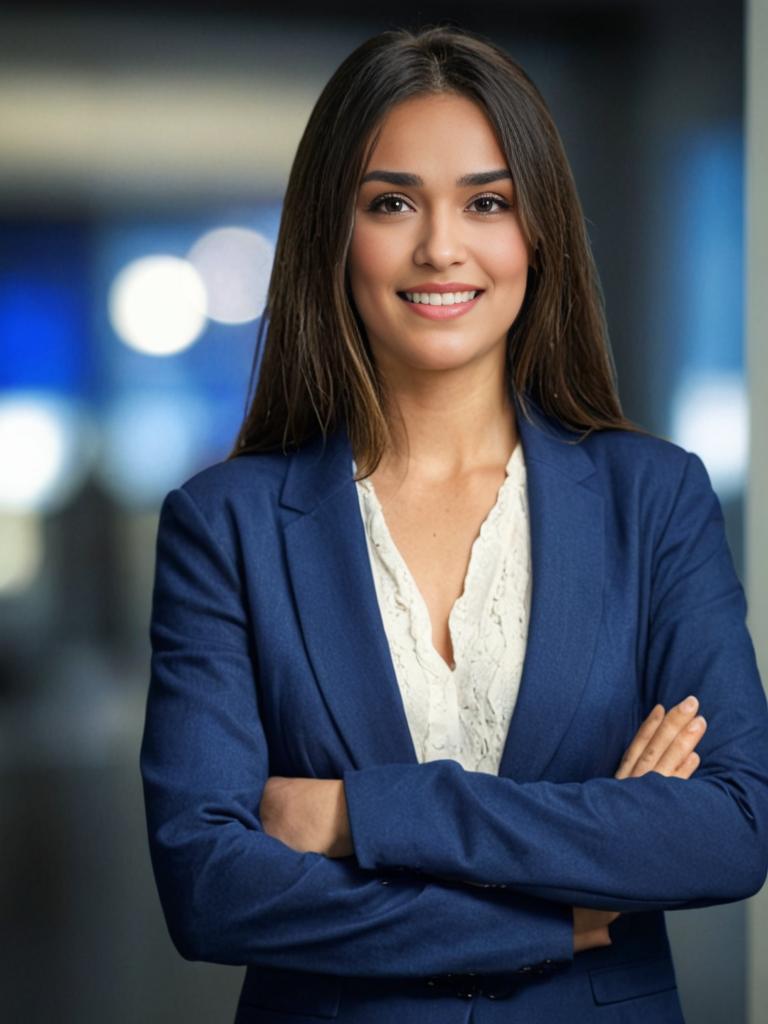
(341, 840)
(591, 939)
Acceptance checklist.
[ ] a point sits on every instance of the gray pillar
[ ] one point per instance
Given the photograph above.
(756, 561)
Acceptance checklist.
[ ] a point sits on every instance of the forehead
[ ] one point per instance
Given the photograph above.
(445, 132)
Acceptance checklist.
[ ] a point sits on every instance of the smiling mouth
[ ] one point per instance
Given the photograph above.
(434, 307)
(440, 298)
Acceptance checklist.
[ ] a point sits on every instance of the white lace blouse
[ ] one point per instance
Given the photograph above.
(461, 713)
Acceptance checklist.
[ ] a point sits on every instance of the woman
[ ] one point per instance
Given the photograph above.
(416, 726)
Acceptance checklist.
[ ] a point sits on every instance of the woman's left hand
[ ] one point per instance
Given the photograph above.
(309, 815)
(664, 743)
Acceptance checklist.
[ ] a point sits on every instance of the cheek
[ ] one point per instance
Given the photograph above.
(371, 259)
(506, 258)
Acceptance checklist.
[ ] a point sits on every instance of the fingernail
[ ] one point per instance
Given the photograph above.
(689, 704)
(696, 724)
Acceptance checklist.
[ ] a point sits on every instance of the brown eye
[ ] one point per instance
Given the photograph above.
(378, 204)
(490, 200)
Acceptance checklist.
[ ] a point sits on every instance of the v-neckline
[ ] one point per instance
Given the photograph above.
(422, 609)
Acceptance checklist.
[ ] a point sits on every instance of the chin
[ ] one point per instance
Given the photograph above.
(434, 357)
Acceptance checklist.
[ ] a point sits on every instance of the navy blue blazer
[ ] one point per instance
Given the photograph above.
(269, 657)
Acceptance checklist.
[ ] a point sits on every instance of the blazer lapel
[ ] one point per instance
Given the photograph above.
(338, 607)
(344, 633)
(567, 577)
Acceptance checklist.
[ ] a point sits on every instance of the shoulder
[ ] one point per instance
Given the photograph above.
(235, 498)
(633, 454)
(608, 457)
(609, 454)
(642, 477)
(651, 477)
(242, 480)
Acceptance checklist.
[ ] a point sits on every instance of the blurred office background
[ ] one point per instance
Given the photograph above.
(144, 156)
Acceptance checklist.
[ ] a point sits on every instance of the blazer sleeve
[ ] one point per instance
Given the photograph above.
(230, 892)
(652, 842)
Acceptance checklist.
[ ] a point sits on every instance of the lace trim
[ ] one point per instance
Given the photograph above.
(463, 712)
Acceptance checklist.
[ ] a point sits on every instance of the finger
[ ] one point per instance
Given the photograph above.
(688, 767)
(670, 726)
(642, 737)
(681, 746)
(671, 731)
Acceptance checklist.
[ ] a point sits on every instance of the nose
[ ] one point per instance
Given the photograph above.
(440, 241)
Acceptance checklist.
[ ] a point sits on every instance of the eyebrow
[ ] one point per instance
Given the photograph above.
(405, 180)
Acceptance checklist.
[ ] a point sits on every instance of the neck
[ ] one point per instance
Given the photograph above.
(446, 425)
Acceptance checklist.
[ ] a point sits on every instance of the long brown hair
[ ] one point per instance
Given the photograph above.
(315, 368)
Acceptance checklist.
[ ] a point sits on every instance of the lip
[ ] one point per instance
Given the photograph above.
(430, 312)
(448, 286)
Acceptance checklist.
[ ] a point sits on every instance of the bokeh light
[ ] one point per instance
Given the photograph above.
(235, 265)
(151, 443)
(47, 445)
(157, 304)
(710, 416)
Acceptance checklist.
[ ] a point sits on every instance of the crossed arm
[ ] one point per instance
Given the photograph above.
(311, 815)
(648, 838)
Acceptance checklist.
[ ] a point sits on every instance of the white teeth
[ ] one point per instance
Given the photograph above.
(440, 298)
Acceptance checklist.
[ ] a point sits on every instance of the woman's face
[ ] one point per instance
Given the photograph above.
(419, 226)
